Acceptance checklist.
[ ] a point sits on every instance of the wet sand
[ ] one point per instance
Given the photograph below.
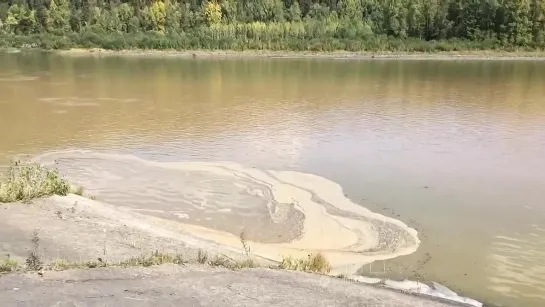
(280, 213)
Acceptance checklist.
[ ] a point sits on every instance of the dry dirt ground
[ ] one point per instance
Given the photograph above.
(79, 229)
(194, 285)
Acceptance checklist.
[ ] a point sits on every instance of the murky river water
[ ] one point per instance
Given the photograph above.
(455, 149)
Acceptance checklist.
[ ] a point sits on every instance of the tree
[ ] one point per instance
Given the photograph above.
(4, 7)
(487, 17)
(350, 9)
(294, 12)
(441, 24)
(281, 24)
(59, 16)
(319, 11)
(516, 24)
(158, 15)
(173, 17)
(42, 15)
(20, 19)
(305, 6)
(395, 22)
(212, 12)
(126, 13)
(537, 9)
(109, 20)
(86, 9)
(229, 10)
(429, 11)
(264, 10)
(414, 19)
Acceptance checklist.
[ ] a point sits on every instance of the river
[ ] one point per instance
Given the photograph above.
(453, 148)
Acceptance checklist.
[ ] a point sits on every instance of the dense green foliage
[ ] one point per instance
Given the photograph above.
(398, 25)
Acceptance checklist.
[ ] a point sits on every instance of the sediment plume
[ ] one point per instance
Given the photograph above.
(280, 213)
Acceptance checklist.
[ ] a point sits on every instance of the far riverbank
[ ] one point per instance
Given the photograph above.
(338, 55)
(465, 55)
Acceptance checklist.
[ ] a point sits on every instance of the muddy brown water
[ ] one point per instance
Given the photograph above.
(455, 149)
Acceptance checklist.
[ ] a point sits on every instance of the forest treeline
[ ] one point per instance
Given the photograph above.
(317, 25)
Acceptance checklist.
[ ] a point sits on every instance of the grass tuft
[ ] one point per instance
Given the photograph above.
(316, 263)
(220, 260)
(148, 260)
(26, 181)
(61, 265)
(155, 258)
(202, 256)
(8, 265)
(248, 263)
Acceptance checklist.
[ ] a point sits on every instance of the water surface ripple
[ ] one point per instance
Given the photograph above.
(452, 148)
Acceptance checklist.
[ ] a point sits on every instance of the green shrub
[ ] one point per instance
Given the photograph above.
(25, 181)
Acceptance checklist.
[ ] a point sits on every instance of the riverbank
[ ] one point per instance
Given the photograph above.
(109, 242)
(197, 285)
(303, 218)
(335, 55)
(364, 55)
